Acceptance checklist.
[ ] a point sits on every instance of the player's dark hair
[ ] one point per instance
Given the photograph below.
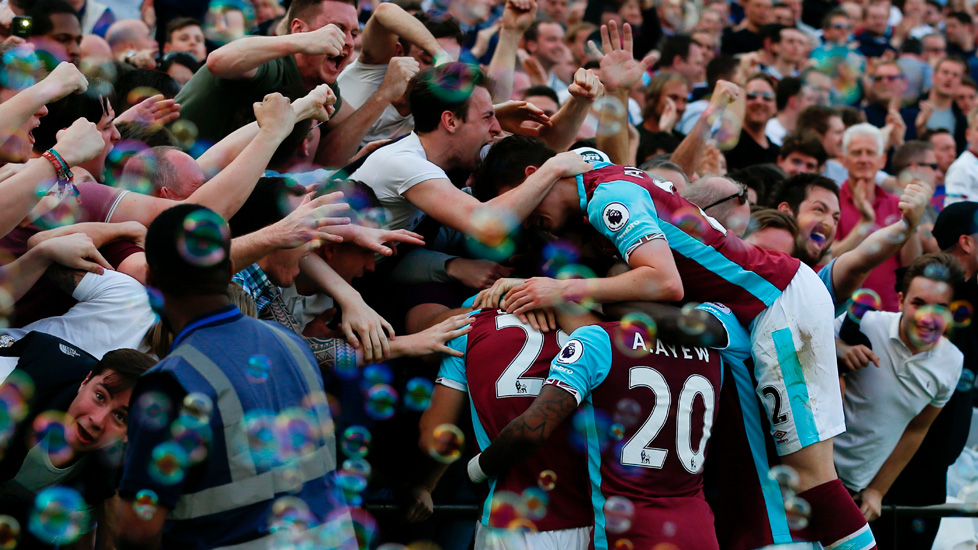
(506, 164)
(794, 190)
(940, 267)
(447, 87)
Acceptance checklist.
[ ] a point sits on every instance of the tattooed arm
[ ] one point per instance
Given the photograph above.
(523, 436)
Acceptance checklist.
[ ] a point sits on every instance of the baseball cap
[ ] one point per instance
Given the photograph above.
(592, 155)
(955, 220)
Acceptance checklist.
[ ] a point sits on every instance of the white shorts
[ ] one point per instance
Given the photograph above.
(793, 345)
(494, 538)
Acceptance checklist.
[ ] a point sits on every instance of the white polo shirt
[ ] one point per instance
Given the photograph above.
(880, 402)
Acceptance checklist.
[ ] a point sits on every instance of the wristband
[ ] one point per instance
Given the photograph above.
(475, 470)
(66, 184)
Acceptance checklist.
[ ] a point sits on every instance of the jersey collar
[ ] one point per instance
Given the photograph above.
(220, 316)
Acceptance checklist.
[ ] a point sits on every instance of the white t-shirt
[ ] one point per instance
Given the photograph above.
(775, 131)
(391, 171)
(112, 312)
(961, 180)
(359, 81)
(880, 402)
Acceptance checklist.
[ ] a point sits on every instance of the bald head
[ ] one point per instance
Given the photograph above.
(95, 49)
(129, 34)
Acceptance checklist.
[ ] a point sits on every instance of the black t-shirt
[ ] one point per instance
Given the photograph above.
(56, 369)
(748, 153)
(742, 41)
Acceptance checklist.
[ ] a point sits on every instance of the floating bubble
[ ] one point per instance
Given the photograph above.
(51, 429)
(634, 333)
(60, 515)
(693, 321)
(918, 525)
(21, 68)
(453, 82)
(691, 221)
(228, 20)
(193, 437)
(594, 424)
(381, 402)
(9, 533)
(145, 504)
(618, 512)
(617, 432)
(547, 480)
(203, 238)
(797, 511)
(725, 127)
(258, 368)
(297, 432)
(623, 544)
(961, 313)
(785, 476)
(577, 271)
(928, 325)
(557, 255)
(259, 427)
(355, 442)
(185, 131)
(863, 301)
(169, 463)
(15, 394)
(354, 476)
(506, 508)
(326, 407)
(536, 500)
(491, 225)
(198, 407)
(417, 393)
(364, 527)
(376, 374)
(447, 442)
(844, 68)
(101, 73)
(611, 112)
(290, 514)
(131, 165)
(53, 212)
(967, 380)
(155, 298)
(628, 412)
(153, 409)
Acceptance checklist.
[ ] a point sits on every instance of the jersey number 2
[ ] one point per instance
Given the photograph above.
(511, 382)
(637, 452)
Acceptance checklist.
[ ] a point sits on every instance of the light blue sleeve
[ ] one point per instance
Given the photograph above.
(738, 346)
(624, 213)
(451, 373)
(583, 362)
(825, 274)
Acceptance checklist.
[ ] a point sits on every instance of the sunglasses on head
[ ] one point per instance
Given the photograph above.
(741, 197)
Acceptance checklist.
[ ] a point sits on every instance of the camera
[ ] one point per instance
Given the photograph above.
(22, 26)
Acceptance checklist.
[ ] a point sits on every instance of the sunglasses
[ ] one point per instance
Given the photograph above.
(741, 197)
(841, 27)
(931, 165)
(766, 96)
(888, 78)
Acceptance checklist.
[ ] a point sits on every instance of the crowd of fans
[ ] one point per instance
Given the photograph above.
(630, 275)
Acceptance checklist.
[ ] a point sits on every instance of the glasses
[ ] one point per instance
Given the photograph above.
(888, 78)
(766, 96)
(931, 165)
(741, 197)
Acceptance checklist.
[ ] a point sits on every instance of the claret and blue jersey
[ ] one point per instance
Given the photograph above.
(628, 208)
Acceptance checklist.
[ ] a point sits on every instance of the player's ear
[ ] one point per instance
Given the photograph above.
(529, 170)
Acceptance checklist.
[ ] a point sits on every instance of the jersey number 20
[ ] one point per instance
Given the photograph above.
(637, 452)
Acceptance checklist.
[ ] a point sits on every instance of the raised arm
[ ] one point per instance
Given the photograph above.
(241, 58)
(852, 268)
(388, 23)
(567, 121)
(517, 16)
(690, 150)
(228, 190)
(63, 80)
(443, 201)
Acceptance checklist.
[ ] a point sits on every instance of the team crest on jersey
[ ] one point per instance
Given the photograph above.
(572, 351)
(615, 216)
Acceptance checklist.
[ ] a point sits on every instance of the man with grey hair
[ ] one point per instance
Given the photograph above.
(866, 207)
(723, 199)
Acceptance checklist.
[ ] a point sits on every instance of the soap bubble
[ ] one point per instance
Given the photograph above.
(60, 515)
(447, 442)
(863, 300)
(619, 512)
(634, 333)
(145, 504)
(417, 393)
(547, 480)
(381, 401)
(202, 239)
(169, 463)
(355, 442)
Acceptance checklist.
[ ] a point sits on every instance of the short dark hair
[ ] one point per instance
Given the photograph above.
(765, 218)
(142, 78)
(807, 144)
(763, 77)
(656, 141)
(543, 91)
(850, 115)
(969, 82)
(506, 164)
(835, 12)
(788, 88)
(815, 118)
(154, 135)
(721, 67)
(42, 11)
(762, 178)
(532, 33)
(931, 132)
(64, 112)
(172, 269)
(772, 32)
(447, 87)
(961, 16)
(909, 153)
(794, 190)
(127, 365)
(181, 23)
(953, 59)
(940, 266)
(179, 58)
(675, 46)
(299, 9)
